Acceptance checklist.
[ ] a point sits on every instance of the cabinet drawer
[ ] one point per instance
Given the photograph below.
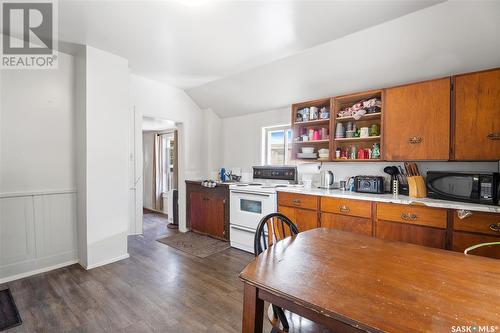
(463, 240)
(346, 207)
(431, 217)
(298, 200)
(483, 223)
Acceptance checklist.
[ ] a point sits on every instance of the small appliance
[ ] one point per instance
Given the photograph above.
(481, 188)
(326, 179)
(369, 184)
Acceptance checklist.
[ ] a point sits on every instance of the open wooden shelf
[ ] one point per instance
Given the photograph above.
(312, 142)
(313, 122)
(358, 139)
(367, 116)
(357, 160)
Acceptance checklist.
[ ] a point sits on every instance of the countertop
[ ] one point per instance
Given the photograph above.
(400, 199)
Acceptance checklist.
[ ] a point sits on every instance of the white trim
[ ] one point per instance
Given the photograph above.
(33, 193)
(38, 271)
(106, 262)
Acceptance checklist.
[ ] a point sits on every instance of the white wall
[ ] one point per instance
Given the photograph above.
(155, 99)
(37, 170)
(242, 137)
(213, 141)
(106, 145)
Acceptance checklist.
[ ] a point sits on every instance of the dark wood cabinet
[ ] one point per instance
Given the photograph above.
(417, 121)
(208, 210)
(477, 116)
(411, 224)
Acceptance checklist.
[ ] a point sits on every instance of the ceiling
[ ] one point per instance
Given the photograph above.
(448, 38)
(188, 43)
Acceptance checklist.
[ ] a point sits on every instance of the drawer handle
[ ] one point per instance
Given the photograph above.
(344, 209)
(296, 201)
(494, 136)
(409, 217)
(495, 227)
(415, 140)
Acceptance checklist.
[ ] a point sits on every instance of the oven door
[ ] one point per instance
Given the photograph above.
(248, 208)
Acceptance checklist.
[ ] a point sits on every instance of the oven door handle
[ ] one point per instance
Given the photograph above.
(237, 227)
(252, 193)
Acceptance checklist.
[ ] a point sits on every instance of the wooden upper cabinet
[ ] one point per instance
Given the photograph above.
(417, 121)
(477, 116)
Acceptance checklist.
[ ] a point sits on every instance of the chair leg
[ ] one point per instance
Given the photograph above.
(282, 317)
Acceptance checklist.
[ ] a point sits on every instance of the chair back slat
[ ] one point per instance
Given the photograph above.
(271, 229)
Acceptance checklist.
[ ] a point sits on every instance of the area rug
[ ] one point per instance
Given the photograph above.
(197, 245)
(9, 316)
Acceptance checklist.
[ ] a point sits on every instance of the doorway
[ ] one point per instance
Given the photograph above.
(160, 175)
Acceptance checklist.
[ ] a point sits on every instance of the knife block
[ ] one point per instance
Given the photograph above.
(417, 188)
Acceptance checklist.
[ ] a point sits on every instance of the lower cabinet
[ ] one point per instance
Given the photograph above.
(476, 228)
(414, 224)
(208, 210)
(304, 219)
(353, 224)
(411, 224)
(301, 209)
(347, 215)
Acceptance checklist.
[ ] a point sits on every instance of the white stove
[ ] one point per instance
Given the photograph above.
(250, 202)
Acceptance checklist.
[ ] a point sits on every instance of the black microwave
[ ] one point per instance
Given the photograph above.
(481, 188)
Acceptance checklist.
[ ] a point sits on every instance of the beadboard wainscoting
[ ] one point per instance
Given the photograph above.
(37, 232)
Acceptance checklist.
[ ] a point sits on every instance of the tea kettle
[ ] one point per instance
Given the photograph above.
(326, 179)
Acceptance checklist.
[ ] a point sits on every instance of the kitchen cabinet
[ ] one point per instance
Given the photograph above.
(347, 215)
(300, 209)
(474, 229)
(412, 224)
(417, 121)
(304, 219)
(208, 210)
(477, 116)
(357, 225)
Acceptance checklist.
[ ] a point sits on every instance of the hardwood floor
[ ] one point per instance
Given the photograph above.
(158, 289)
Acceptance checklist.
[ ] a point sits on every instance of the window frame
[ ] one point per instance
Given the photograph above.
(266, 147)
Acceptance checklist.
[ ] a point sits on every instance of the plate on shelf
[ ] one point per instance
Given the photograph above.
(307, 155)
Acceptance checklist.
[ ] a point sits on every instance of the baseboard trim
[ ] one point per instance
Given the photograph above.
(38, 271)
(106, 262)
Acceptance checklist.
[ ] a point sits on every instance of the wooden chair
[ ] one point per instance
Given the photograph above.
(271, 229)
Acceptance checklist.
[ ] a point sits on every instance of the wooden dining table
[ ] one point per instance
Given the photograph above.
(352, 283)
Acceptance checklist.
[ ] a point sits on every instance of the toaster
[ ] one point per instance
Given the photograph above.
(369, 184)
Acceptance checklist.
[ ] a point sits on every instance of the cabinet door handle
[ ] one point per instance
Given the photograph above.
(414, 140)
(495, 227)
(409, 216)
(494, 136)
(296, 201)
(344, 209)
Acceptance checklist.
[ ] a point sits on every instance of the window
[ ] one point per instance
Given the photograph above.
(278, 145)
